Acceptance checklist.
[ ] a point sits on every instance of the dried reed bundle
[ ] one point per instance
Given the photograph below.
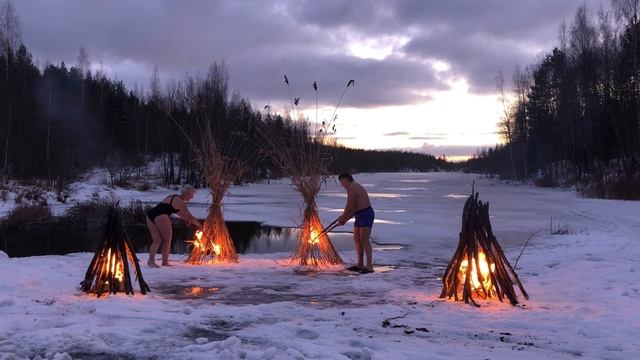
(222, 166)
(304, 160)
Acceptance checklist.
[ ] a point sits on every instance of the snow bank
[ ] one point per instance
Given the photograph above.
(584, 286)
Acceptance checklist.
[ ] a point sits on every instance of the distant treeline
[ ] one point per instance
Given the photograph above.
(576, 117)
(60, 121)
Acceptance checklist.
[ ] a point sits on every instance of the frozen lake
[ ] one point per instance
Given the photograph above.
(584, 286)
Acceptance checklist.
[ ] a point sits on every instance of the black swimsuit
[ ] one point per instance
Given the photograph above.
(162, 209)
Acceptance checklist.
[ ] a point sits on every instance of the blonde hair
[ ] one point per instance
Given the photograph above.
(187, 189)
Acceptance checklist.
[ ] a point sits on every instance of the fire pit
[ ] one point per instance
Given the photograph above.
(109, 269)
(479, 267)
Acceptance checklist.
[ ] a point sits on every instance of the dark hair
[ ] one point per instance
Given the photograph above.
(345, 175)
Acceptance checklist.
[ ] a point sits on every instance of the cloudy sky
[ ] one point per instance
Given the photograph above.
(424, 70)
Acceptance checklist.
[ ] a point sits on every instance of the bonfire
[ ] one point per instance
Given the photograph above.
(314, 246)
(109, 269)
(222, 160)
(213, 244)
(479, 267)
(304, 160)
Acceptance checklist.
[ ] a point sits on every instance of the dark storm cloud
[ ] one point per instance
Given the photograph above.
(479, 38)
(308, 40)
(389, 82)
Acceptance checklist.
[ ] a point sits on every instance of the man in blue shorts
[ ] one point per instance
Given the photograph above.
(358, 205)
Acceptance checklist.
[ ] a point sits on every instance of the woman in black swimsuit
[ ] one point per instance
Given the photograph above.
(159, 222)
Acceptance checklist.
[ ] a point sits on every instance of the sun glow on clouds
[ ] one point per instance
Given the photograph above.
(440, 66)
(127, 70)
(378, 48)
(454, 118)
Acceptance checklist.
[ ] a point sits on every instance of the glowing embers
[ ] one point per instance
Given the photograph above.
(489, 273)
(314, 247)
(109, 269)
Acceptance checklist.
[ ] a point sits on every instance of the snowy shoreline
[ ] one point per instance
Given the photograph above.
(584, 286)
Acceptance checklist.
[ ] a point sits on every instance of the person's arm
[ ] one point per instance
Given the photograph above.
(185, 214)
(349, 208)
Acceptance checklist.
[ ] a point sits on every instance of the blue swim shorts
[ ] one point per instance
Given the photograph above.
(365, 217)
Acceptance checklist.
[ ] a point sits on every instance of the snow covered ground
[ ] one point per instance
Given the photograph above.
(584, 286)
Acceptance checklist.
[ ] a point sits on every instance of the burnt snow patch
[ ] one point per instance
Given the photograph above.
(270, 294)
(185, 292)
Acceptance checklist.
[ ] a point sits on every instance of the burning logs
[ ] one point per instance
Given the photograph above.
(109, 270)
(479, 267)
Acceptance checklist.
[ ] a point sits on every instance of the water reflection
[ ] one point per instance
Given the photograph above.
(248, 237)
(185, 292)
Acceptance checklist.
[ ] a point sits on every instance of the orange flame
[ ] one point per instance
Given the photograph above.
(485, 270)
(314, 236)
(197, 242)
(113, 266)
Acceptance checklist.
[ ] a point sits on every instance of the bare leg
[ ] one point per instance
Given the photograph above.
(365, 233)
(356, 240)
(164, 226)
(155, 244)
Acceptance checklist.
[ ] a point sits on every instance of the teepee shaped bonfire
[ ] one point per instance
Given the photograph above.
(479, 267)
(214, 244)
(109, 270)
(301, 153)
(314, 246)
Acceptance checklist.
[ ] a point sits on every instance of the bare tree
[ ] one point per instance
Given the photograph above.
(562, 36)
(506, 122)
(139, 94)
(155, 87)
(10, 31)
(48, 146)
(626, 9)
(521, 86)
(83, 66)
(583, 33)
(155, 97)
(9, 38)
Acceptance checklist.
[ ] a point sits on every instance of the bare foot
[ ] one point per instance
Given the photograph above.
(152, 264)
(166, 264)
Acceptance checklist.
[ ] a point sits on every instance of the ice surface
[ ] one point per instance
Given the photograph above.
(584, 286)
